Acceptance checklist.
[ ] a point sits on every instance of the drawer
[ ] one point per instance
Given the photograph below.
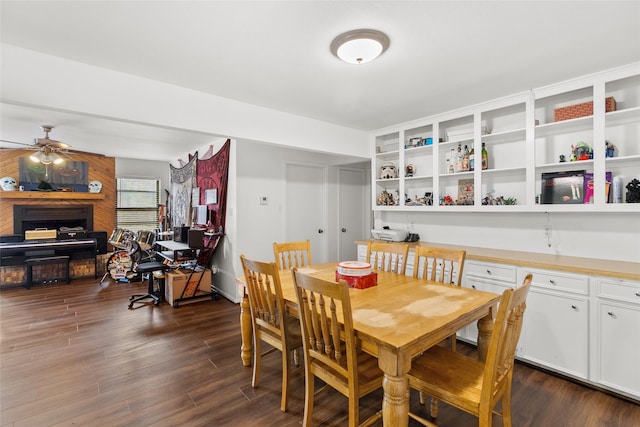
(506, 273)
(619, 290)
(559, 281)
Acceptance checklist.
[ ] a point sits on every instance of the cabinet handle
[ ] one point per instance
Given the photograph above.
(488, 271)
(575, 307)
(610, 313)
(473, 286)
(638, 294)
(553, 282)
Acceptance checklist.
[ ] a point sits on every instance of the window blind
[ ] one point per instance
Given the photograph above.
(137, 204)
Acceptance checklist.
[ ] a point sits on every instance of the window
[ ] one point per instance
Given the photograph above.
(137, 204)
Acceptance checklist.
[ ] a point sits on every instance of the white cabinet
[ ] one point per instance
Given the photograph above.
(557, 321)
(617, 335)
(488, 277)
(525, 138)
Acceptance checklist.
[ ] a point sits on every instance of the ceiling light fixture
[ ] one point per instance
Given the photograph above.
(359, 46)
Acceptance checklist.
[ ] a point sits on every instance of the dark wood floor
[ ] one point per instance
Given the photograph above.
(75, 355)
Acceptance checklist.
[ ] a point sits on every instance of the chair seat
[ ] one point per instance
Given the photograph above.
(147, 267)
(437, 372)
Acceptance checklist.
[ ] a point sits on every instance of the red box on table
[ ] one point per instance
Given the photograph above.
(359, 282)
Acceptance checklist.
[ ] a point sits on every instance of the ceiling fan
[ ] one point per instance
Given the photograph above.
(47, 150)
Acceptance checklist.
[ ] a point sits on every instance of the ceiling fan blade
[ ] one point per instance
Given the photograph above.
(16, 142)
(82, 152)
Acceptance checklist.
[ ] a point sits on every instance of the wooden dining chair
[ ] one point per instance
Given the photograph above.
(292, 254)
(474, 386)
(271, 323)
(330, 351)
(440, 265)
(388, 256)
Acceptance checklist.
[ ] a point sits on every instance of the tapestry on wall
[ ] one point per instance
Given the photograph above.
(212, 179)
(183, 180)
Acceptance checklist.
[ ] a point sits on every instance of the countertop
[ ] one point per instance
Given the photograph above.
(590, 266)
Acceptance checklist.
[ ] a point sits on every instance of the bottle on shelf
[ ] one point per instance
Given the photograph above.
(485, 157)
(458, 165)
(471, 159)
(452, 159)
(465, 158)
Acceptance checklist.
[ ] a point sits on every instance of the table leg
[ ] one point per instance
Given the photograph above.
(246, 350)
(485, 326)
(395, 404)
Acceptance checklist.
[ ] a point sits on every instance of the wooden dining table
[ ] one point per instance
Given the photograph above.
(395, 321)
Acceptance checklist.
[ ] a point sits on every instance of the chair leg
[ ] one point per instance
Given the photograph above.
(285, 379)
(308, 397)
(434, 407)
(257, 355)
(354, 413)
(506, 406)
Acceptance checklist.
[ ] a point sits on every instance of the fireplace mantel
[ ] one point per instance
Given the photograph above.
(101, 168)
(51, 195)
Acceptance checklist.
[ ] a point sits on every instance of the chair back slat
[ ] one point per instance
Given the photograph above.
(439, 264)
(292, 254)
(388, 256)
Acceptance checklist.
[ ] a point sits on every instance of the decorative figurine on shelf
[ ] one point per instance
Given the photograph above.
(633, 191)
(95, 187)
(580, 151)
(388, 170)
(409, 170)
(8, 183)
(447, 201)
(385, 199)
(562, 158)
(610, 149)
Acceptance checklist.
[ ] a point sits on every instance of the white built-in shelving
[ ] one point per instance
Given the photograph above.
(523, 141)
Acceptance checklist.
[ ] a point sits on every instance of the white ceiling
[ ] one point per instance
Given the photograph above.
(275, 54)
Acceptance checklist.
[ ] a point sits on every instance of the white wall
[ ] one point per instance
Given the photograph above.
(134, 168)
(591, 235)
(76, 87)
(260, 173)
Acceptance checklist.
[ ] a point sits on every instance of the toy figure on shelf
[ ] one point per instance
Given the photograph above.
(581, 151)
(447, 201)
(385, 199)
(633, 191)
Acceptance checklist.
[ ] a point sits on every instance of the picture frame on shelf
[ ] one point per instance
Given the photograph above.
(465, 192)
(563, 188)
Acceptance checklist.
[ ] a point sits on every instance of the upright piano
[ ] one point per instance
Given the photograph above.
(16, 253)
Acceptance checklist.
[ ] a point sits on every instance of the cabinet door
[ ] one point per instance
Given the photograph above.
(557, 332)
(619, 349)
(470, 332)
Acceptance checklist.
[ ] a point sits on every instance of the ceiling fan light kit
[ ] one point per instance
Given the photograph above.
(360, 46)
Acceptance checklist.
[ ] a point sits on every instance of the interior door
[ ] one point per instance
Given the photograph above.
(306, 207)
(351, 212)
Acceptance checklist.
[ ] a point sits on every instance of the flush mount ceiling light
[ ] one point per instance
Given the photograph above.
(359, 46)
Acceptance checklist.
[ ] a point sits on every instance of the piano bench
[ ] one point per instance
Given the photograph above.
(59, 259)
